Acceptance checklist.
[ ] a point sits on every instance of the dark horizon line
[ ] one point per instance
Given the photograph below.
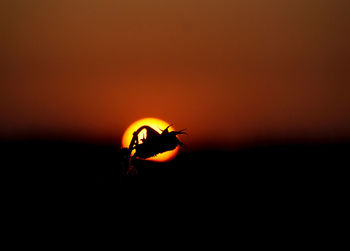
(199, 145)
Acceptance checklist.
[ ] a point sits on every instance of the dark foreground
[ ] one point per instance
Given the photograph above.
(71, 172)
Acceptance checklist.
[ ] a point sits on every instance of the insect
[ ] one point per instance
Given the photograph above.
(153, 144)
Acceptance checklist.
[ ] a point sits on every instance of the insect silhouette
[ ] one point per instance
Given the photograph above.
(154, 143)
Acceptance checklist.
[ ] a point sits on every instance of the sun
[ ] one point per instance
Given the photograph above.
(156, 124)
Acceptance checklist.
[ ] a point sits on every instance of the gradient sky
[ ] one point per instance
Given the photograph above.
(227, 70)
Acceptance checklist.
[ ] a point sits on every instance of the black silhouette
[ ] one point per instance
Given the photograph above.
(153, 144)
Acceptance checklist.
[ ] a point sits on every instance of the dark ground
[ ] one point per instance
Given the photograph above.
(285, 193)
(73, 171)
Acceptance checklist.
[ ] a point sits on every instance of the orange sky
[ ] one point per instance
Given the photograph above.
(227, 70)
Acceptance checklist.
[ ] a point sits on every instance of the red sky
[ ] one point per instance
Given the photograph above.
(227, 70)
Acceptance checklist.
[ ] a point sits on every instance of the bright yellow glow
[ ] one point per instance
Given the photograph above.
(157, 125)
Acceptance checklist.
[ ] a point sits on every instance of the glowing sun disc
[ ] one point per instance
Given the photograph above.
(157, 125)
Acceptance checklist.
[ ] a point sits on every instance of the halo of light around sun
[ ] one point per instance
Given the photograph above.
(156, 124)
